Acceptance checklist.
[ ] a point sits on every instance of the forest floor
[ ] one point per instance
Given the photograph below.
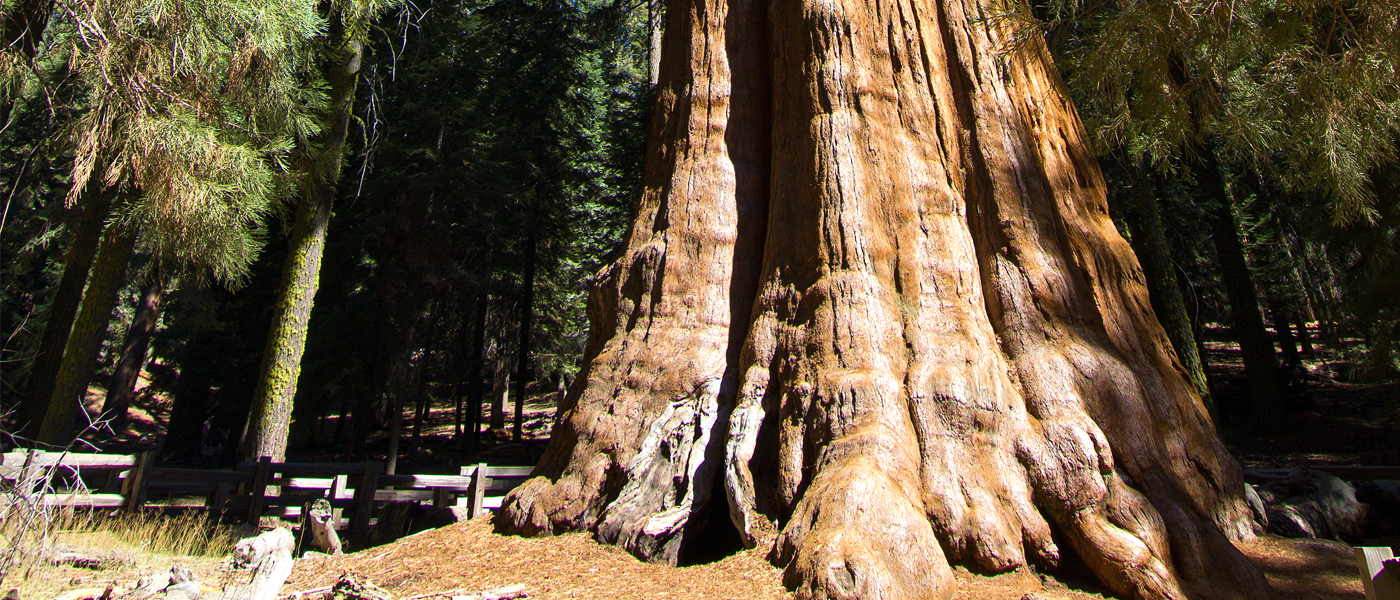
(1332, 421)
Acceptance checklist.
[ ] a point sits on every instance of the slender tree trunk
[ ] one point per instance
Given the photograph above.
(80, 356)
(500, 394)
(391, 457)
(420, 413)
(1153, 251)
(655, 20)
(476, 371)
(270, 419)
(122, 387)
(1257, 350)
(21, 31)
(1300, 317)
(1283, 330)
(77, 262)
(527, 307)
(872, 294)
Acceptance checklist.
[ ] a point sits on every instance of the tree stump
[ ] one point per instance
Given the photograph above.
(269, 558)
(320, 519)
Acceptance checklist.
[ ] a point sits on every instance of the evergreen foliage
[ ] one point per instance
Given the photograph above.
(196, 106)
(1306, 91)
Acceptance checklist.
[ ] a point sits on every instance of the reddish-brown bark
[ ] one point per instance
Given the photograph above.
(873, 295)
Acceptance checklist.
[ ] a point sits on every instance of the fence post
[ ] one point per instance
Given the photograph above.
(1381, 580)
(338, 486)
(218, 500)
(135, 486)
(478, 491)
(261, 475)
(364, 501)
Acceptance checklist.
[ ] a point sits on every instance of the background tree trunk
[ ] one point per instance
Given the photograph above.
(184, 435)
(77, 262)
(475, 372)
(80, 355)
(527, 307)
(270, 419)
(132, 359)
(949, 354)
(1151, 247)
(1257, 350)
(500, 394)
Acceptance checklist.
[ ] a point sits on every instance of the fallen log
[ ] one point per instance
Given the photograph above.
(269, 557)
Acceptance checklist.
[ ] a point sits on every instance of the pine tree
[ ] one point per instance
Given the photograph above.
(190, 111)
(320, 165)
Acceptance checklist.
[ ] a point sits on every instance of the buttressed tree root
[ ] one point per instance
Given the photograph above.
(873, 295)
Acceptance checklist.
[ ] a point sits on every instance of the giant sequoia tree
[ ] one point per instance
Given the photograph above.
(872, 295)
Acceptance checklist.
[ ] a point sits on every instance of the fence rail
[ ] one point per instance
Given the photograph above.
(253, 489)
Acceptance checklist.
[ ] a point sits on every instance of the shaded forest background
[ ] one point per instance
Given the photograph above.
(489, 164)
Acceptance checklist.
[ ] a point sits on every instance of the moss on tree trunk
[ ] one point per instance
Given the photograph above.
(271, 416)
(77, 262)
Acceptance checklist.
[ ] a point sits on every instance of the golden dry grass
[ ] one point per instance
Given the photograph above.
(130, 546)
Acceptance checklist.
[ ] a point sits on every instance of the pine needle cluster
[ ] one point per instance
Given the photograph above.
(193, 111)
(1305, 91)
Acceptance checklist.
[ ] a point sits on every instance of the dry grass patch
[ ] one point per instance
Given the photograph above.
(119, 549)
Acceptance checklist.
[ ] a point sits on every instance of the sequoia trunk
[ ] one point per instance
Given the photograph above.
(873, 294)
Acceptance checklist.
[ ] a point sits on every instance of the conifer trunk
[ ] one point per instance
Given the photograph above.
(527, 307)
(270, 419)
(85, 342)
(1151, 247)
(475, 372)
(1246, 322)
(872, 294)
(132, 359)
(77, 262)
(500, 393)
(655, 8)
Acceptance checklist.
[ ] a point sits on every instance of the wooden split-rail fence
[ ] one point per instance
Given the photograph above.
(252, 490)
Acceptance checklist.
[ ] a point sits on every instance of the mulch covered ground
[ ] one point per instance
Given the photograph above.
(468, 558)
